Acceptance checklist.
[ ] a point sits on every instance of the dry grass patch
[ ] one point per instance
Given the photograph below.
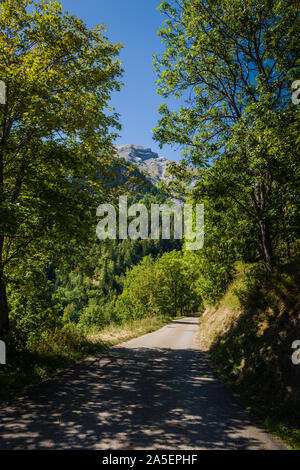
(217, 321)
(114, 334)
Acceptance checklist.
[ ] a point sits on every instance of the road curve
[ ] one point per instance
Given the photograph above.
(153, 392)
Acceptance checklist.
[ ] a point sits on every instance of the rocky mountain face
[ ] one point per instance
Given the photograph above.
(148, 162)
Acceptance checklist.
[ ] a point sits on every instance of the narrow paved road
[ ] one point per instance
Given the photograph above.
(153, 392)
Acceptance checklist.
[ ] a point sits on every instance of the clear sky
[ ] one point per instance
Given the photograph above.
(133, 23)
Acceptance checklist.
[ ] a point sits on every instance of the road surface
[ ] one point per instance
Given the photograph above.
(153, 392)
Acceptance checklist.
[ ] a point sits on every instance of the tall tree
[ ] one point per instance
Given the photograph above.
(59, 76)
(234, 63)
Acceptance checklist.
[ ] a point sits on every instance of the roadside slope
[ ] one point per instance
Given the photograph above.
(249, 335)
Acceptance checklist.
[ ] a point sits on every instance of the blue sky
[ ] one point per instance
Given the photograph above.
(135, 24)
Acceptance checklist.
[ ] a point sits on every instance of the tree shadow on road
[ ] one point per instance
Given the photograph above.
(128, 399)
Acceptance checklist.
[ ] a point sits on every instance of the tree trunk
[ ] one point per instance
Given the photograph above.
(4, 310)
(4, 322)
(175, 299)
(265, 243)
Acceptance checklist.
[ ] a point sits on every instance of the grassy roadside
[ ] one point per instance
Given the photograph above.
(57, 350)
(248, 337)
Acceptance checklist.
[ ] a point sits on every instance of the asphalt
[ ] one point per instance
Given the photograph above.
(154, 392)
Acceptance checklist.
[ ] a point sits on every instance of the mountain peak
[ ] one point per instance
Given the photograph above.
(150, 163)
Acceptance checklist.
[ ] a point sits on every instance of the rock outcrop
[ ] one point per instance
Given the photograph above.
(149, 163)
